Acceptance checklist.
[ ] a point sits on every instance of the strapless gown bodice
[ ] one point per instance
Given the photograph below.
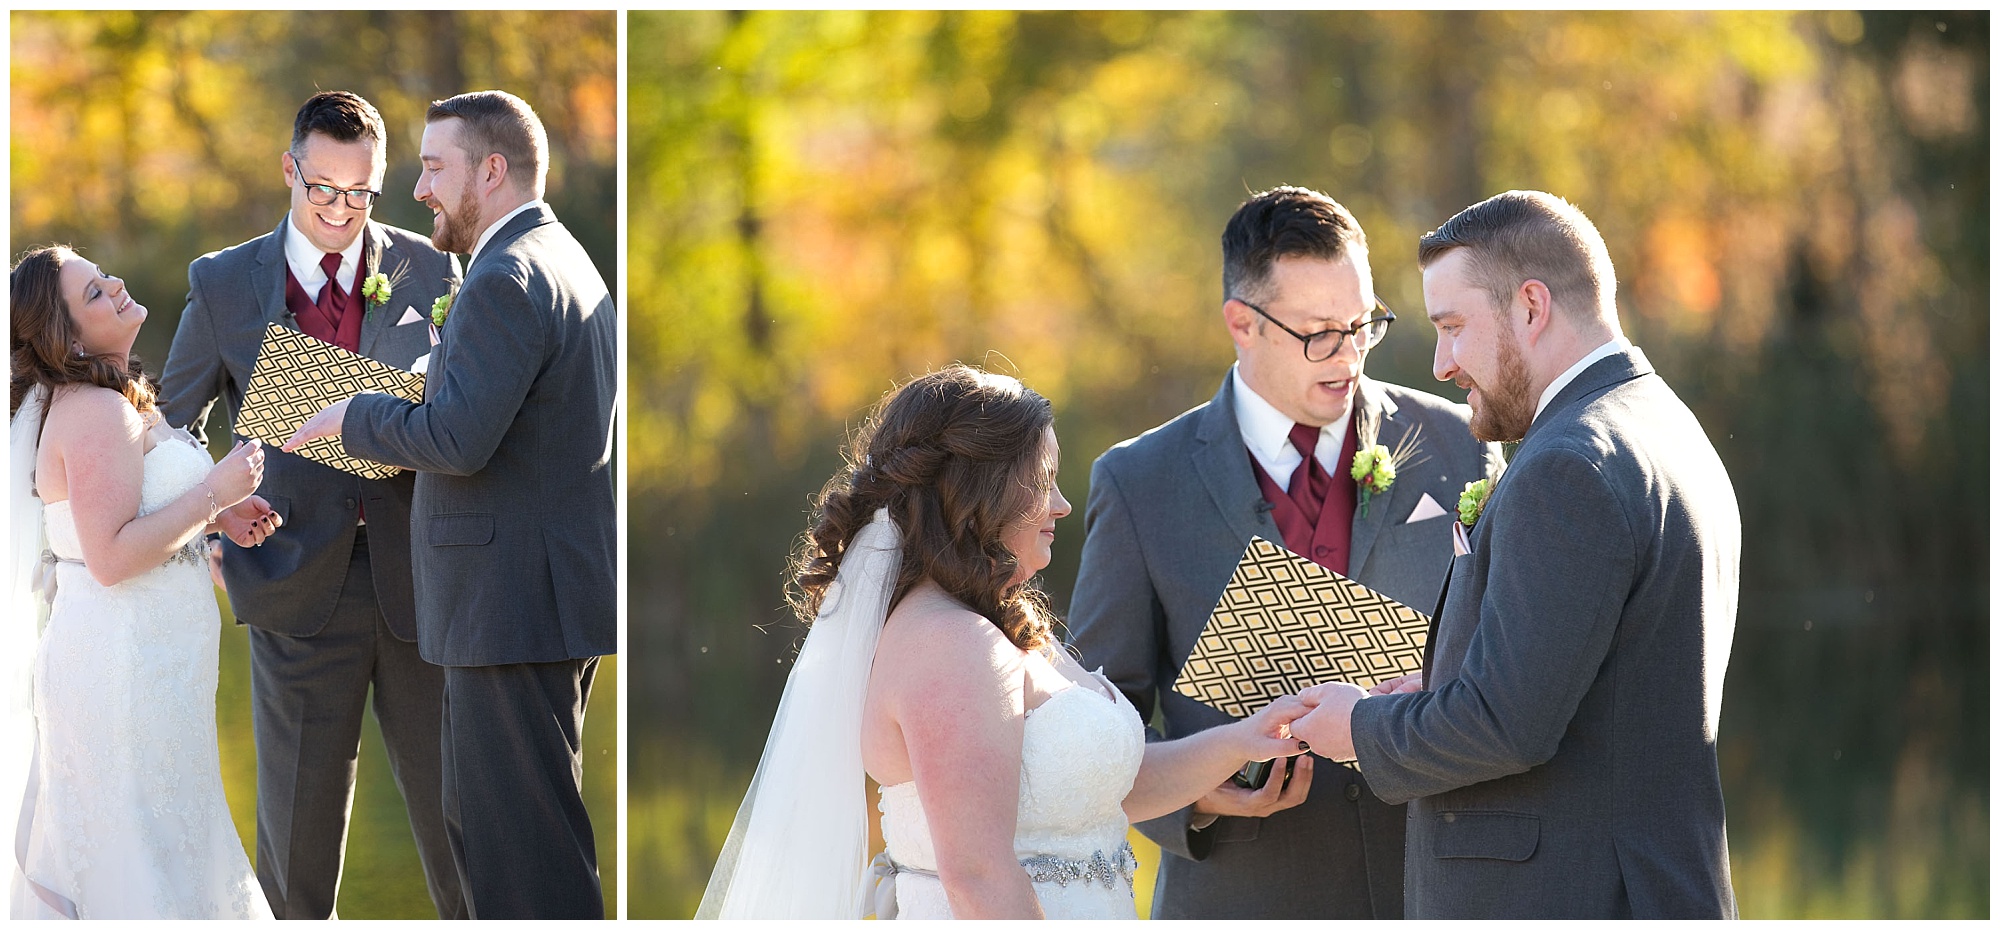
(1080, 752)
(174, 465)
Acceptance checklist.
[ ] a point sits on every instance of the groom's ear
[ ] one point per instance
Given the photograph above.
(1538, 305)
(493, 172)
(287, 168)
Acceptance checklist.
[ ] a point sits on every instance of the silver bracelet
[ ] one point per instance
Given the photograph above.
(213, 510)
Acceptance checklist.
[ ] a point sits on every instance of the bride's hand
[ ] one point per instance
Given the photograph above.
(238, 474)
(249, 522)
(1267, 734)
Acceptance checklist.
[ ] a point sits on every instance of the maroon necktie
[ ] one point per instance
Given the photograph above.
(1310, 481)
(330, 264)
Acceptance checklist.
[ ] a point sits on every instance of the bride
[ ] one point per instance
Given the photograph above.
(1010, 774)
(121, 809)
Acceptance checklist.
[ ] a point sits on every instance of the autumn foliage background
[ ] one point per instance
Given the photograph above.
(823, 204)
(150, 138)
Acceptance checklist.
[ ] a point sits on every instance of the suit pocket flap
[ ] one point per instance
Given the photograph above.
(1486, 835)
(461, 529)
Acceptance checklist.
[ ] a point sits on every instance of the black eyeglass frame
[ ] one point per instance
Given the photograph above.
(332, 193)
(1387, 317)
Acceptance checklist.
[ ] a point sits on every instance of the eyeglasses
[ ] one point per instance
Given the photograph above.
(1322, 345)
(324, 195)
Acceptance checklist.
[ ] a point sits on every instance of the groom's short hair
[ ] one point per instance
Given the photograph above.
(1512, 237)
(342, 117)
(499, 122)
(1285, 222)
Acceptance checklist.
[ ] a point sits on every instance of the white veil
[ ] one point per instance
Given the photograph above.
(26, 609)
(799, 846)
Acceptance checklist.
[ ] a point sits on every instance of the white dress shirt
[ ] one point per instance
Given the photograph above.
(1268, 435)
(1616, 345)
(303, 258)
(486, 236)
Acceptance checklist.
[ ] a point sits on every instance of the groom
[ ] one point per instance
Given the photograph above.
(1559, 757)
(513, 523)
(329, 600)
(1171, 512)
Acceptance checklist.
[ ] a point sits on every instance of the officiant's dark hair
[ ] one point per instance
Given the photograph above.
(42, 332)
(497, 121)
(957, 456)
(1284, 222)
(342, 117)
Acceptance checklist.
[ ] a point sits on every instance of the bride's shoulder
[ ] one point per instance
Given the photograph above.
(940, 636)
(89, 410)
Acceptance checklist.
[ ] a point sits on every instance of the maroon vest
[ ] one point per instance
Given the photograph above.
(336, 318)
(1324, 537)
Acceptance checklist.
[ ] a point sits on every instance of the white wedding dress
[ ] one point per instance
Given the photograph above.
(127, 817)
(1080, 751)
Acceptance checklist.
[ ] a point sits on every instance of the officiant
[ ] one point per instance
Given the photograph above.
(329, 601)
(1299, 446)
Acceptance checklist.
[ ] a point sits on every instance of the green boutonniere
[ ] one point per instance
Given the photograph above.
(377, 289)
(441, 308)
(1472, 502)
(1375, 465)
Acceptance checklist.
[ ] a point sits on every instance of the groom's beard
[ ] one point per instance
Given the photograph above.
(1505, 409)
(456, 228)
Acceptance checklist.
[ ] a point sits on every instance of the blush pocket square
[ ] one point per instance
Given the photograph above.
(410, 315)
(1427, 509)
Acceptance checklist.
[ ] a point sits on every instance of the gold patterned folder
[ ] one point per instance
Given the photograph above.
(297, 376)
(1285, 623)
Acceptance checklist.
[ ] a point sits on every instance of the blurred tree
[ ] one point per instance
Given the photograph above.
(826, 203)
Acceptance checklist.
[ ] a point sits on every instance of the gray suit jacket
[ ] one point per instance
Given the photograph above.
(514, 523)
(290, 583)
(1169, 515)
(1562, 762)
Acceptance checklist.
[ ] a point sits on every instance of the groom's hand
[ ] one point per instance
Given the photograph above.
(1401, 684)
(1328, 728)
(325, 423)
(1277, 794)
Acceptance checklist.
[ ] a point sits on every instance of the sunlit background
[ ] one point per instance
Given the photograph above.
(148, 139)
(826, 203)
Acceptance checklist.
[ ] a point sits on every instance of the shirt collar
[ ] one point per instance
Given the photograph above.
(1267, 433)
(487, 236)
(303, 257)
(1616, 345)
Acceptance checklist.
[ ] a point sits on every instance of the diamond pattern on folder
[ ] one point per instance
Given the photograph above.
(1285, 623)
(297, 376)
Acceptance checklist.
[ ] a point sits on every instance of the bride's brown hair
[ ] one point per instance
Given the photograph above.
(957, 457)
(42, 334)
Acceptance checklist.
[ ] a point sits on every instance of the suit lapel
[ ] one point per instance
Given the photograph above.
(1223, 464)
(371, 263)
(1374, 403)
(267, 280)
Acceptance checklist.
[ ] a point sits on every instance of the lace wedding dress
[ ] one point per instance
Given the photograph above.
(126, 816)
(1080, 751)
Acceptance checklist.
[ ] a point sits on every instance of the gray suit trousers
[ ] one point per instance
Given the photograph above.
(308, 694)
(513, 798)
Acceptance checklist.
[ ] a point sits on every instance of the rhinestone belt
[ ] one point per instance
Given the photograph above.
(1099, 868)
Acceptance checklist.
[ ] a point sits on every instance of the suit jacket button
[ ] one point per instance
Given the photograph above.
(1450, 818)
(1354, 792)
(350, 503)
